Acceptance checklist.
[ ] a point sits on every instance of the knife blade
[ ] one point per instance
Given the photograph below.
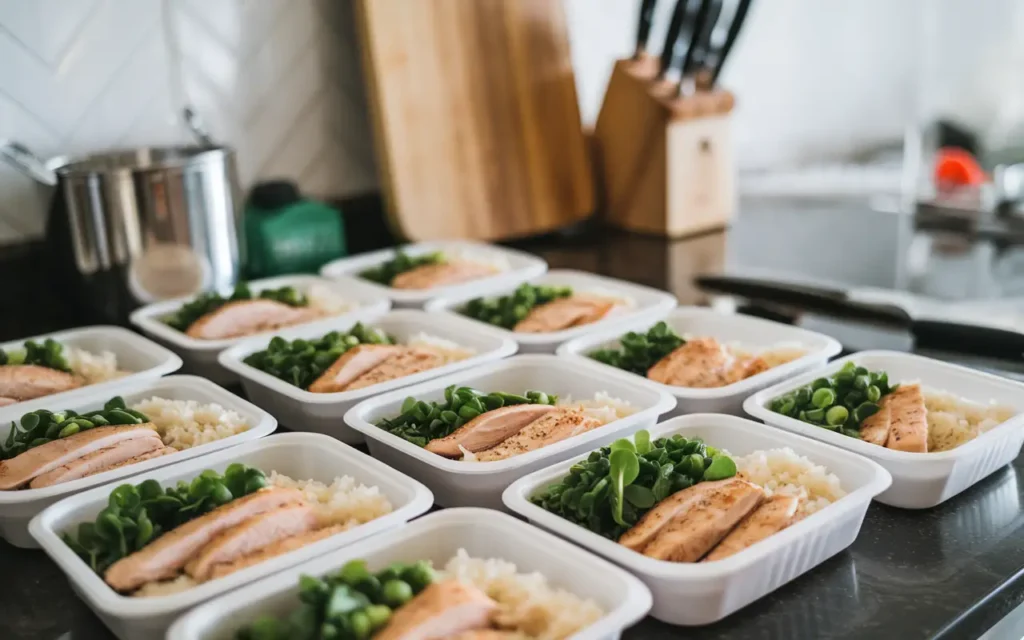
(723, 40)
(643, 29)
(699, 36)
(671, 35)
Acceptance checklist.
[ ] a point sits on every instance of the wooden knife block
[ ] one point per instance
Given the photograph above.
(666, 164)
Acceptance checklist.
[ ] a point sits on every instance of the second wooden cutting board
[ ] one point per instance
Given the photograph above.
(477, 122)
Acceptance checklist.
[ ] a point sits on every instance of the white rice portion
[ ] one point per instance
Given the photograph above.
(451, 351)
(493, 260)
(327, 302)
(953, 421)
(527, 602)
(344, 502)
(785, 472)
(602, 406)
(94, 367)
(622, 302)
(183, 424)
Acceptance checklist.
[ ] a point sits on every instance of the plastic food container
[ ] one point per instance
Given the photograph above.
(145, 359)
(298, 455)
(302, 410)
(438, 537)
(751, 333)
(479, 484)
(200, 356)
(522, 266)
(696, 594)
(648, 303)
(18, 507)
(919, 480)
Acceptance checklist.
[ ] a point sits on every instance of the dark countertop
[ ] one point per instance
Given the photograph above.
(947, 572)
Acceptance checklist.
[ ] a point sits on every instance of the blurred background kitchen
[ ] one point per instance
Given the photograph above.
(840, 111)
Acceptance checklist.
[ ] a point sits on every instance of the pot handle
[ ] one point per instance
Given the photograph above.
(20, 157)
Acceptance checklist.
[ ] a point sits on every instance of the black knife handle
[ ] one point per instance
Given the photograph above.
(674, 24)
(717, 58)
(702, 40)
(694, 30)
(643, 30)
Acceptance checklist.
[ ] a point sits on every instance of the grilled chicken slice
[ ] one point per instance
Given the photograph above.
(490, 634)
(694, 532)
(246, 317)
(352, 364)
(700, 363)
(273, 550)
(146, 456)
(4, 402)
(745, 368)
(875, 429)
(553, 427)
(640, 534)
(29, 381)
(429, 276)
(488, 429)
(164, 557)
(408, 361)
(771, 517)
(57, 453)
(564, 313)
(99, 461)
(909, 430)
(442, 610)
(252, 535)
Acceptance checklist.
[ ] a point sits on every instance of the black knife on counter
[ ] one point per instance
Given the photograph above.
(665, 63)
(700, 42)
(723, 39)
(643, 28)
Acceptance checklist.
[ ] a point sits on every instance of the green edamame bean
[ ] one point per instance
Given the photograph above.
(815, 415)
(378, 614)
(396, 592)
(873, 393)
(836, 415)
(823, 398)
(360, 625)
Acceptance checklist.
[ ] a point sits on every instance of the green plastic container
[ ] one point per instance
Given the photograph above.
(285, 233)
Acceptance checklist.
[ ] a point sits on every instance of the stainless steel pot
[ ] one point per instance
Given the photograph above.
(158, 222)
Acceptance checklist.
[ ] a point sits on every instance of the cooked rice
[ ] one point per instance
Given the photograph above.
(953, 421)
(602, 406)
(344, 502)
(94, 367)
(527, 602)
(784, 471)
(622, 302)
(496, 261)
(451, 351)
(327, 302)
(183, 424)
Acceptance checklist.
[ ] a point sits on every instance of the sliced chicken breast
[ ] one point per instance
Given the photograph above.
(875, 429)
(564, 313)
(745, 368)
(442, 610)
(408, 361)
(146, 456)
(909, 430)
(164, 557)
(29, 381)
(640, 534)
(4, 402)
(429, 276)
(489, 634)
(352, 364)
(246, 317)
(549, 429)
(771, 517)
(488, 429)
(252, 535)
(694, 532)
(98, 461)
(56, 453)
(273, 550)
(700, 363)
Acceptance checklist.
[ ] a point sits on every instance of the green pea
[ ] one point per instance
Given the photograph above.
(861, 382)
(821, 383)
(836, 416)
(69, 430)
(788, 405)
(865, 411)
(815, 415)
(823, 398)
(873, 393)
(360, 625)
(803, 396)
(419, 575)
(378, 614)
(396, 593)
(354, 572)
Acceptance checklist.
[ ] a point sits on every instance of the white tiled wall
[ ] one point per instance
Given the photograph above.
(277, 79)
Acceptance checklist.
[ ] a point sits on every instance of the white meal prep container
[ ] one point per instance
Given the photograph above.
(200, 356)
(438, 537)
(750, 333)
(919, 480)
(145, 359)
(522, 266)
(17, 508)
(647, 303)
(479, 484)
(698, 593)
(300, 456)
(302, 410)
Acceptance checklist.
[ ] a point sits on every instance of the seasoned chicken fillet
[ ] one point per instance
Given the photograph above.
(564, 313)
(488, 429)
(700, 363)
(429, 276)
(554, 427)
(771, 517)
(246, 317)
(875, 429)
(352, 364)
(99, 461)
(29, 381)
(273, 550)
(442, 610)
(909, 427)
(406, 362)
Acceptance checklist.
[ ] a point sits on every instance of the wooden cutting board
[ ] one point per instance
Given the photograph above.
(475, 114)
